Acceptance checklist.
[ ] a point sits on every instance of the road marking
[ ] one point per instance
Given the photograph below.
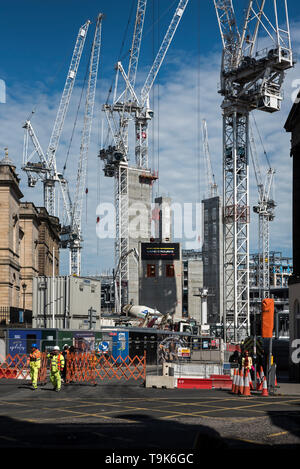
(100, 434)
(8, 438)
(250, 441)
(276, 434)
(283, 433)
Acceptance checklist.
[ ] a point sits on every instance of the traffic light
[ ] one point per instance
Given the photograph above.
(255, 324)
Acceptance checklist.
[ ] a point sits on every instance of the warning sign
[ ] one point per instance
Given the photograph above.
(184, 352)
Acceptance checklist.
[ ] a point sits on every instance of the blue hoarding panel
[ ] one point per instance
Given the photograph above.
(120, 345)
(21, 340)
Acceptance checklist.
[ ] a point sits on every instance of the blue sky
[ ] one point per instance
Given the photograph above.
(37, 40)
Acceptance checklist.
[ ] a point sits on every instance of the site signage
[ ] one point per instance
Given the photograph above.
(157, 251)
(184, 352)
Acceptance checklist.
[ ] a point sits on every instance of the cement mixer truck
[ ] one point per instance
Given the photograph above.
(143, 316)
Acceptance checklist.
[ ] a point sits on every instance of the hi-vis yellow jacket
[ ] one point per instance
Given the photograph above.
(57, 362)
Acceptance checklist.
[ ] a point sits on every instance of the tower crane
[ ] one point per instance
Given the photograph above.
(212, 187)
(71, 229)
(45, 168)
(131, 106)
(265, 210)
(250, 80)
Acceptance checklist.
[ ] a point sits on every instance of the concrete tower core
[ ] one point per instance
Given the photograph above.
(140, 182)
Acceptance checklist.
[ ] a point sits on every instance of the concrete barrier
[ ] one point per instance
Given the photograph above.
(198, 370)
(160, 382)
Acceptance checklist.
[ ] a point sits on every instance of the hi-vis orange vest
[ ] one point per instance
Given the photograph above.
(57, 362)
(35, 357)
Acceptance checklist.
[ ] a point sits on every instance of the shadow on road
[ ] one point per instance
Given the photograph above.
(126, 432)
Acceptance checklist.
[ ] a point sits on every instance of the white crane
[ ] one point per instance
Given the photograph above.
(71, 235)
(46, 169)
(71, 230)
(131, 106)
(249, 80)
(265, 210)
(212, 187)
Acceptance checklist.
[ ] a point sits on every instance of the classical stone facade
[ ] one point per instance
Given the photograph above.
(48, 251)
(29, 243)
(10, 234)
(29, 224)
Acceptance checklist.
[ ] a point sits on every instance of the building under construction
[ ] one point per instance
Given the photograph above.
(212, 253)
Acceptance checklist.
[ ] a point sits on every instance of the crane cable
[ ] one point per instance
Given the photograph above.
(262, 144)
(122, 46)
(76, 119)
(157, 113)
(198, 133)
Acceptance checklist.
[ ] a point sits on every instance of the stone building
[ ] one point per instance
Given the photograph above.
(29, 224)
(29, 238)
(10, 235)
(39, 245)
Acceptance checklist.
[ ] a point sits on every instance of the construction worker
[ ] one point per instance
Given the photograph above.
(34, 365)
(247, 361)
(57, 363)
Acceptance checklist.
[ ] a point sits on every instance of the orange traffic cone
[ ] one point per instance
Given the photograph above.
(250, 380)
(241, 387)
(238, 381)
(258, 382)
(265, 388)
(246, 390)
(234, 382)
(261, 373)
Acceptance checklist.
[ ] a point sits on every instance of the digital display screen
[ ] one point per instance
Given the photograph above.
(164, 251)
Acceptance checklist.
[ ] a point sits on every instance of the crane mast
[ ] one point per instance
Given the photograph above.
(249, 81)
(265, 210)
(210, 177)
(46, 168)
(73, 209)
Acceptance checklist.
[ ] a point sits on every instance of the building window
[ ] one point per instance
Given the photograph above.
(150, 270)
(214, 228)
(170, 270)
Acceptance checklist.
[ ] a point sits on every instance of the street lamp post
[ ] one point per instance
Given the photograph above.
(24, 286)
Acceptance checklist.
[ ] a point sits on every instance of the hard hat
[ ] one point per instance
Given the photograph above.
(34, 346)
(66, 345)
(56, 347)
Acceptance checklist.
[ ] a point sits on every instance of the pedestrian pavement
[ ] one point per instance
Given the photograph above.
(288, 389)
